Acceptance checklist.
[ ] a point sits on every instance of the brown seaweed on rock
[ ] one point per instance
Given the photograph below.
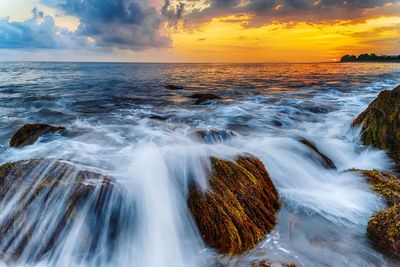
(238, 209)
(381, 123)
(49, 196)
(383, 183)
(384, 227)
(384, 230)
(29, 133)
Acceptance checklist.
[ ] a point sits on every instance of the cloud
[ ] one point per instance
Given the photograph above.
(267, 11)
(124, 24)
(38, 32)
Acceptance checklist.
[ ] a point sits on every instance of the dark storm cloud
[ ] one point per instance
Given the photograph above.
(265, 11)
(115, 23)
(36, 33)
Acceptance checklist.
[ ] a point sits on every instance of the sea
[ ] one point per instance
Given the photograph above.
(122, 120)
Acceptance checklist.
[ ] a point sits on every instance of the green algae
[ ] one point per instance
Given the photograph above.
(239, 208)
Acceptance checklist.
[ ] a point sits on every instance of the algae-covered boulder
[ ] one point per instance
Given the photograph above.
(384, 227)
(238, 209)
(29, 133)
(43, 201)
(383, 183)
(384, 230)
(381, 123)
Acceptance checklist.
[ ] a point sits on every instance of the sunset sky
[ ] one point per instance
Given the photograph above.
(197, 30)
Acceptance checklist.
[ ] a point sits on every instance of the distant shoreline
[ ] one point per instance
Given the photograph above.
(370, 58)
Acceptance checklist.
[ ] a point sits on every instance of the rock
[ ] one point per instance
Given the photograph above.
(383, 183)
(384, 230)
(29, 133)
(238, 209)
(202, 98)
(266, 263)
(324, 160)
(173, 87)
(384, 227)
(213, 136)
(49, 196)
(158, 117)
(380, 123)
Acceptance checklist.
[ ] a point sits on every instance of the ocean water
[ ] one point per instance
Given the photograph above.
(109, 111)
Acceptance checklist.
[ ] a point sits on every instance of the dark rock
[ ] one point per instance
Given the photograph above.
(173, 87)
(266, 263)
(384, 230)
(238, 209)
(202, 98)
(213, 136)
(29, 133)
(380, 123)
(158, 117)
(49, 196)
(324, 160)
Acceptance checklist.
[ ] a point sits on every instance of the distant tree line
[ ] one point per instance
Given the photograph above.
(368, 57)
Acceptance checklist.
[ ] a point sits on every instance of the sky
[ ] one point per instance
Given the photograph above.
(197, 30)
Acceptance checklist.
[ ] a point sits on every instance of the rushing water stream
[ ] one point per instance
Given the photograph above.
(107, 110)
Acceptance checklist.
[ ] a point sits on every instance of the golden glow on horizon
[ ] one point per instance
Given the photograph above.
(228, 39)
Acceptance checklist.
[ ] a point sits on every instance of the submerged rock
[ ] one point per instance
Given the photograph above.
(212, 136)
(29, 133)
(324, 160)
(202, 98)
(266, 263)
(43, 200)
(238, 209)
(381, 123)
(158, 117)
(173, 87)
(384, 230)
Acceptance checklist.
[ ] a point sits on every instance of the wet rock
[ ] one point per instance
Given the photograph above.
(324, 160)
(173, 87)
(238, 209)
(29, 133)
(213, 136)
(43, 200)
(158, 117)
(266, 263)
(383, 183)
(203, 98)
(384, 227)
(384, 230)
(380, 123)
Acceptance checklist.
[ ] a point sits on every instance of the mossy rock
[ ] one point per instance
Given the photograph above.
(383, 183)
(29, 133)
(49, 196)
(384, 230)
(381, 123)
(238, 209)
(203, 98)
(320, 157)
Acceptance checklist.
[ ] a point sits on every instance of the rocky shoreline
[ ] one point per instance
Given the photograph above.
(237, 210)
